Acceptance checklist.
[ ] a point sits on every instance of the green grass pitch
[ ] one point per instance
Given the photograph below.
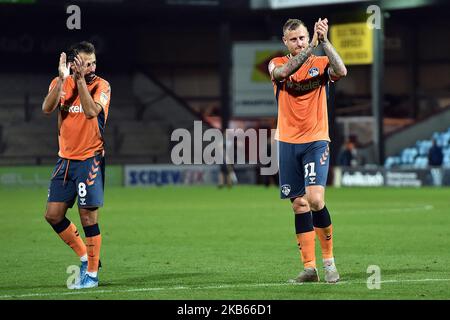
(183, 243)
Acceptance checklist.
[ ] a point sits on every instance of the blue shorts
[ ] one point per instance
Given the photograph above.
(302, 165)
(82, 178)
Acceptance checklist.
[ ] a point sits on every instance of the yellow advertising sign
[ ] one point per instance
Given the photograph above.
(353, 42)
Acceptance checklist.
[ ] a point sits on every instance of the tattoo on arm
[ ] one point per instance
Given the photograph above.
(336, 63)
(292, 65)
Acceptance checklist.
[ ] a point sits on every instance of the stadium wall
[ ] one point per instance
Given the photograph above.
(39, 176)
(183, 175)
(132, 175)
(380, 177)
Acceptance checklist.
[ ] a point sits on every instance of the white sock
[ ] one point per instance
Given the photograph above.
(328, 262)
(83, 258)
(92, 274)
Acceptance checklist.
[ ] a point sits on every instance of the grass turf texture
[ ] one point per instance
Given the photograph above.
(204, 243)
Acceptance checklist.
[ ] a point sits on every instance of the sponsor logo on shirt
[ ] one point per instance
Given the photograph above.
(72, 109)
(304, 86)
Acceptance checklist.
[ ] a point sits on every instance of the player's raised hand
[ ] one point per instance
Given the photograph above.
(79, 67)
(63, 68)
(322, 29)
(315, 39)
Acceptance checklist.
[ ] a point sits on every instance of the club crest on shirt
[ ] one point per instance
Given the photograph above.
(285, 189)
(314, 71)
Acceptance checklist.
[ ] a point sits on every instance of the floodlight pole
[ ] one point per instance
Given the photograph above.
(336, 142)
(378, 91)
(225, 67)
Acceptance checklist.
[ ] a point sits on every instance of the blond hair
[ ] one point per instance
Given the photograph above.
(293, 24)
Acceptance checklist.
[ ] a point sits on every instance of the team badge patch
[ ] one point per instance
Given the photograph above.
(313, 71)
(285, 189)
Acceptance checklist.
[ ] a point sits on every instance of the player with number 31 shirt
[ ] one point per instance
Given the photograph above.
(300, 80)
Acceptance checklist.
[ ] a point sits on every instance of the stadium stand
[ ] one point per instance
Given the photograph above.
(142, 116)
(417, 156)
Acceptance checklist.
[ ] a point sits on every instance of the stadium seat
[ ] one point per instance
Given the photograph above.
(420, 162)
(408, 155)
(392, 161)
(423, 146)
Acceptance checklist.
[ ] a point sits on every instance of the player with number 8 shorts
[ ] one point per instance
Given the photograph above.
(300, 80)
(82, 100)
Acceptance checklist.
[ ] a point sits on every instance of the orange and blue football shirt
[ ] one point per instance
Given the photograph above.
(302, 101)
(81, 138)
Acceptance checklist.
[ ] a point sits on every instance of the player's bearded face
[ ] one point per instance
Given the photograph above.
(90, 62)
(296, 40)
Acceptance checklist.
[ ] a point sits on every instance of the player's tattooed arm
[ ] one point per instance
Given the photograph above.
(290, 67)
(282, 72)
(337, 66)
(54, 96)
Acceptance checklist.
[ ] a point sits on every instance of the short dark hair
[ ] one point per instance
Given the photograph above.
(83, 46)
(292, 24)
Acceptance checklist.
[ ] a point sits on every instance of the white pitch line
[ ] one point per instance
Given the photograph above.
(427, 207)
(224, 286)
(414, 280)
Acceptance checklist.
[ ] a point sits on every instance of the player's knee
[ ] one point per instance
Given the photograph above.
(87, 221)
(88, 217)
(316, 202)
(48, 218)
(52, 218)
(300, 205)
